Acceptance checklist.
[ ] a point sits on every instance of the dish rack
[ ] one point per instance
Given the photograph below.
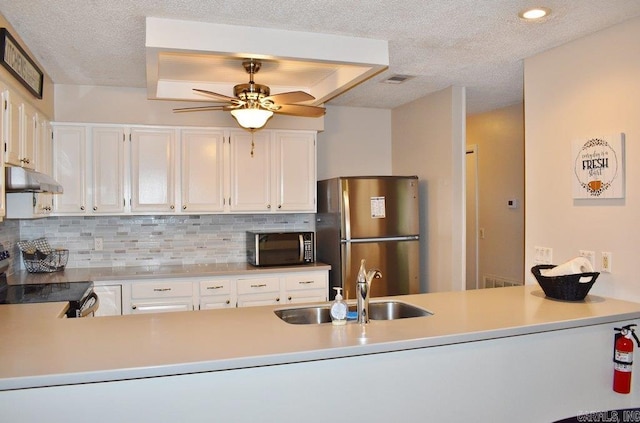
(39, 257)
(4, 259)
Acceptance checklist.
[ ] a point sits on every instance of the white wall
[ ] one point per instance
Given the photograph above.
(584, 89)
(93, 104)
(499, 137)
(356, 141)
(429, 141)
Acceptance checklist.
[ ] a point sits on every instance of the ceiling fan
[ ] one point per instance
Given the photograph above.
(253, 103)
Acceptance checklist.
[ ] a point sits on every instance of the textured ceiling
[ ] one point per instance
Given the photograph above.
(477, 44)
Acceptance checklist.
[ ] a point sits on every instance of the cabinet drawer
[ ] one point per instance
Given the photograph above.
(258, 285)
(305, 281)
(215, 287)
(161, 289)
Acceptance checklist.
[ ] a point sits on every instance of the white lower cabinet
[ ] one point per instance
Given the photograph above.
(205, 293)
(305, 287)
(257, 291)
(110, 297)
(216, 293)
(159, 297)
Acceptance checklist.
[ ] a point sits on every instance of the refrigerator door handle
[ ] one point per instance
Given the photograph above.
(345, 270)
(346, 213)
(391, 238)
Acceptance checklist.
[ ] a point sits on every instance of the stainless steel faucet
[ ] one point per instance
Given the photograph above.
(363, 290)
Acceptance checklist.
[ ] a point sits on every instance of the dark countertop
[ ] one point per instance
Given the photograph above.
(97, 274)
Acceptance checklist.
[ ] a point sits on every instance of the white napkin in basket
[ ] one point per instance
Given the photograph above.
(572, 267)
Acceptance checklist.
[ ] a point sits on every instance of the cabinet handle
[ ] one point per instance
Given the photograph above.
(184, 207)
(133, 307)
(305, 282)
(258, 285)
(279, 206)
(278, 299)
(268, 206)
(289, 298)
(215, 287)
(172, 207)
(82, 208)
(161, 289)
(95, 208)
(228, 302)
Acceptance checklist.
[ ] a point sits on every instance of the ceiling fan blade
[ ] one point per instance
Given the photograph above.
(200, 108)
(300, 110)
(220, 97)
(290, 97)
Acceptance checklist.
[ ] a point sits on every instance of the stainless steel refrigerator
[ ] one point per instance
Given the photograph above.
(374, 218)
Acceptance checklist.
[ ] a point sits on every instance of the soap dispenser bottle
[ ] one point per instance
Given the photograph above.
(338, 309)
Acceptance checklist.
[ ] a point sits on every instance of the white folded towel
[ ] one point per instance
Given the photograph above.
(572, 267)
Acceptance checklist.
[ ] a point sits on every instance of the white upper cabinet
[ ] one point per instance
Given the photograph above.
(117, 169)
(70, 169)
(280, 175)
(250, 157)
(89, 164)
(295, 169)
(202, 170)
(44, 152)
(21, 131)
(153, 169)
(12, 104)
(107, 151)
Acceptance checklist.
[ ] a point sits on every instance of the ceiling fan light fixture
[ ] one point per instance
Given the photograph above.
(251, 118)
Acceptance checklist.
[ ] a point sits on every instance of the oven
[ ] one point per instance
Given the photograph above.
(83, 302)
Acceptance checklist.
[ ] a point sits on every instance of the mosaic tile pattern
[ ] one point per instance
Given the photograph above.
(149, 240)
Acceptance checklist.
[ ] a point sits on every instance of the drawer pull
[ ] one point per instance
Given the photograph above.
(215, 287)
(161, 289)
(228, 302)
(305, 282)
(258, 285)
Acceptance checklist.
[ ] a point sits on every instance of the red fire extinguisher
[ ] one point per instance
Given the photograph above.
(623, 358)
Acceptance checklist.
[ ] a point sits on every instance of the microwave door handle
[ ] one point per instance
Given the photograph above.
(301, 248)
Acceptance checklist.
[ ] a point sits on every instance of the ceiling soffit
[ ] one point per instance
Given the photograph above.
(182, 55)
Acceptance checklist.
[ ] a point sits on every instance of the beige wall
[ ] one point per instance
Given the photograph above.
(44, 105)
(94, 104)
(428, 141)
(499, 137)
(586, 88)
(356, 141)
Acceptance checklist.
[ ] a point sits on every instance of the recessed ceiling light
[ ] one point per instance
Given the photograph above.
(534, 13)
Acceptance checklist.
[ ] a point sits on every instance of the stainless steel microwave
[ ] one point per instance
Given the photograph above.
(280, 248)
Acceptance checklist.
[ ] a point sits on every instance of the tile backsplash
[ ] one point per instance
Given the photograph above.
(148, 240)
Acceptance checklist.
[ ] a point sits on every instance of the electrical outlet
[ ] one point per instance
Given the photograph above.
(589, 255)
(606, 261)
(543, 255)
(97, 244)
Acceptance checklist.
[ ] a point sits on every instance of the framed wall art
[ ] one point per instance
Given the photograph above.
(19, 64)
(598, 167)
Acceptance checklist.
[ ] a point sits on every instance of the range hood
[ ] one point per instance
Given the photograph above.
(20, 179)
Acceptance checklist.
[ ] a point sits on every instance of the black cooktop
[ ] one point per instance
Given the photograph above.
(45, 293)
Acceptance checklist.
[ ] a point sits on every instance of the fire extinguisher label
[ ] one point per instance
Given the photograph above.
(621, 367)
(624, 357)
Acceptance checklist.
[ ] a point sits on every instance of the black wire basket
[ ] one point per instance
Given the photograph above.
(565, 287)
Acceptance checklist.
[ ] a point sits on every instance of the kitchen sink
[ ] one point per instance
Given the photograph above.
(379, 310)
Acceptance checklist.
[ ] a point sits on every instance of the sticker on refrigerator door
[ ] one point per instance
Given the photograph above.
(378, 208)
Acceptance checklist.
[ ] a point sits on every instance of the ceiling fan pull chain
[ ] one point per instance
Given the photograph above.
(252, 144)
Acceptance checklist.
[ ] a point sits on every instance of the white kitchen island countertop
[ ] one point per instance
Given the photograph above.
(41, 349)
